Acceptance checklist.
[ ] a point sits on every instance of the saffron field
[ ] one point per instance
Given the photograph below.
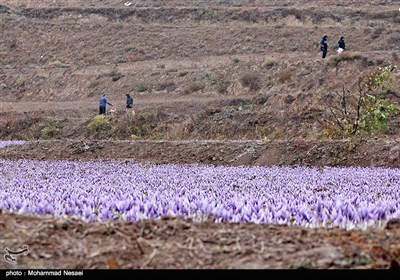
(353, 197)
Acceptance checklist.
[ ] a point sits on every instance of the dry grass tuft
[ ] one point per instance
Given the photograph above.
(334, 60)
(284, 76)
(251, 81)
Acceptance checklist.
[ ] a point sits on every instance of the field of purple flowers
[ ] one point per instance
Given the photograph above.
(11, 142)
(111, 190)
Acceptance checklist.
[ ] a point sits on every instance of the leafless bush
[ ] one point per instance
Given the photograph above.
(251, 81)
(377, 32)
(193, 88)
(284, 76)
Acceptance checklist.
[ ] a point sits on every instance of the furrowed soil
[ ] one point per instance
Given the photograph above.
(238, 83)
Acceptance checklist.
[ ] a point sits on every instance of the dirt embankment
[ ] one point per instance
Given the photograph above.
(372, 153)
(176, 243)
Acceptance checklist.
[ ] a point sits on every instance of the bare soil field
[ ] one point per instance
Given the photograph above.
(180, 244)
(186, 64)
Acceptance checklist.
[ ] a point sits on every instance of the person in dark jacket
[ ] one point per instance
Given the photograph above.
(129, 104)
(324, 46)
(129, 101)
(102, 104)
(342, 45)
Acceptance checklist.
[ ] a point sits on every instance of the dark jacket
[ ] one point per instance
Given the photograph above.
(129, 101)
(324, 43)
(342, 44)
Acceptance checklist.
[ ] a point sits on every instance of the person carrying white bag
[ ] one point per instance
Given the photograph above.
(342, 45)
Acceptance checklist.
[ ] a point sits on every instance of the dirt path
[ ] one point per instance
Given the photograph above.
(92, 104)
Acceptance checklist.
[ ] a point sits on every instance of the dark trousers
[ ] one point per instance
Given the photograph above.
(102, 110)
(324, 52)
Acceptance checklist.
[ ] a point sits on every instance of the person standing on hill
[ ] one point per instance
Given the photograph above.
(129, 101)
(129, 104)
(342, 45)
(102, 104)
(324, 45)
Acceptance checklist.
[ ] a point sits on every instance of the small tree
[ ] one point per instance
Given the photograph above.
(364, 112)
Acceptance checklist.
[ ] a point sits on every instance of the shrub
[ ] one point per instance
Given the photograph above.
(377, 32)
(98, 123)
(284, 76)
(222, 86)
(193, 88)
(93, 84)
(334, 60)
(269, 64)
(220, 83)
(142, 88)
(251, 81)
(51, 130)
(260, 99)
(307, 71)
(168, 86)
(378, 111)
(365, 112)
(381, 79)
(114, 73)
